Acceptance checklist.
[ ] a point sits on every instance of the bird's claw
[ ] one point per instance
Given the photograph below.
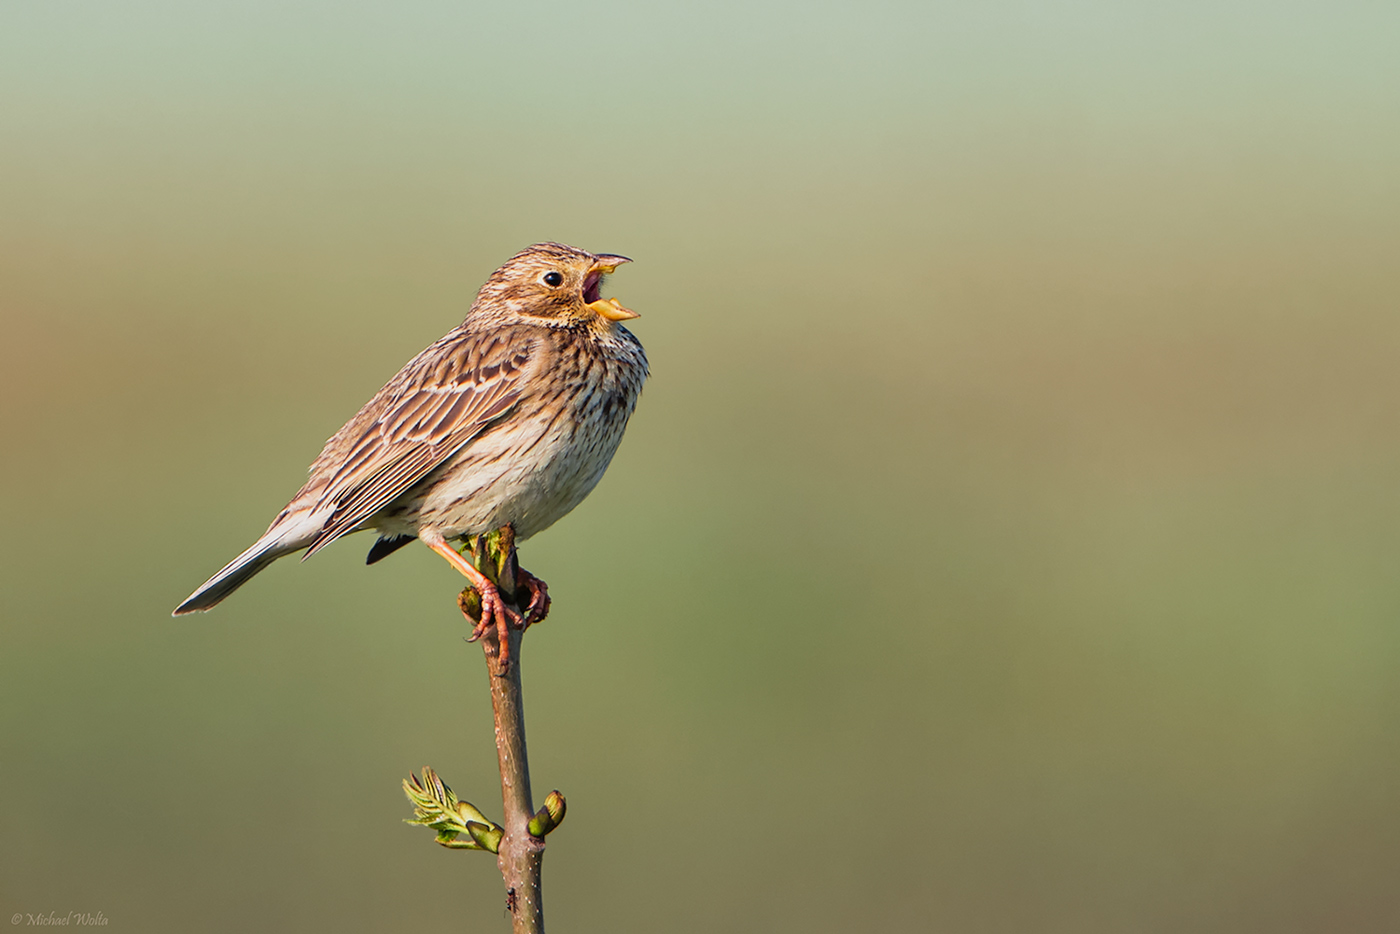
(495, 615)
(538, 607)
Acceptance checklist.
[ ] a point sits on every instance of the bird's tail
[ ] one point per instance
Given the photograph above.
(282, 539)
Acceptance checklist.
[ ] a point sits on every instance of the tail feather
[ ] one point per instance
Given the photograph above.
(384, 547)
(235, 574)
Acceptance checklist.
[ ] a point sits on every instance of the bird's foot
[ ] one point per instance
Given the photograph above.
(495, 615)
(538, 607)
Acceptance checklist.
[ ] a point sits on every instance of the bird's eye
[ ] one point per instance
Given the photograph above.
(553, 278)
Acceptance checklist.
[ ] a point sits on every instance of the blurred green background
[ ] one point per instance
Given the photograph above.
(1008, 539)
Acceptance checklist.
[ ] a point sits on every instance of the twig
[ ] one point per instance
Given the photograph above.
(521, 852)
(519, 845)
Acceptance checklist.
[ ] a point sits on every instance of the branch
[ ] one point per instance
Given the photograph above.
(521, 852)
(519, 844)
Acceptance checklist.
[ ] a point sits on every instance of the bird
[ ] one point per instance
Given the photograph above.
(507, 421)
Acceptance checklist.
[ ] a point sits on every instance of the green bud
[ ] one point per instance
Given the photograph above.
(487, 837)
(469, 813)
(549, 816)
(555, 804)
(437, 808)
(469, 601)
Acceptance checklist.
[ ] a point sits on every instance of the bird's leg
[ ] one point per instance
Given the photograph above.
(493, 608)
(539, 595)
(538, 607)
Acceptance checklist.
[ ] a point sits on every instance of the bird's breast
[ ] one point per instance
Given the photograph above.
(541, 460)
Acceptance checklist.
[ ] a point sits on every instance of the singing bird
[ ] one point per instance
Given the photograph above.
(509, 419)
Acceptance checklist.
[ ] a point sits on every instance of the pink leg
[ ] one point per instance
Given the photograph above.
(493, 608)
(539, 595)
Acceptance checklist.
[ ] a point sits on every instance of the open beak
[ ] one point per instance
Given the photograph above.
(611, 309)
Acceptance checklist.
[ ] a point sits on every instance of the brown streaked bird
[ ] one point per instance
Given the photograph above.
(509, 419)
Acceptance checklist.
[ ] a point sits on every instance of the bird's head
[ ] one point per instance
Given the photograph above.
(555, 285)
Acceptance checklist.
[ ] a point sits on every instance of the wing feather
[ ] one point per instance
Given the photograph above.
(443, 399)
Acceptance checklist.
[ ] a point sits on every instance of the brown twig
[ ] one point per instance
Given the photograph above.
(521, 852)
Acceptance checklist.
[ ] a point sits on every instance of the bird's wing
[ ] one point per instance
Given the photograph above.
(439, 402)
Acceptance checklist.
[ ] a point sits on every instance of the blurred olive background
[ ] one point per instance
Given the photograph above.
(1008, 539)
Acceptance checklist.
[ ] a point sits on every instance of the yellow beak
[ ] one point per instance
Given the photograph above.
(612, 309)
(607, 262)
